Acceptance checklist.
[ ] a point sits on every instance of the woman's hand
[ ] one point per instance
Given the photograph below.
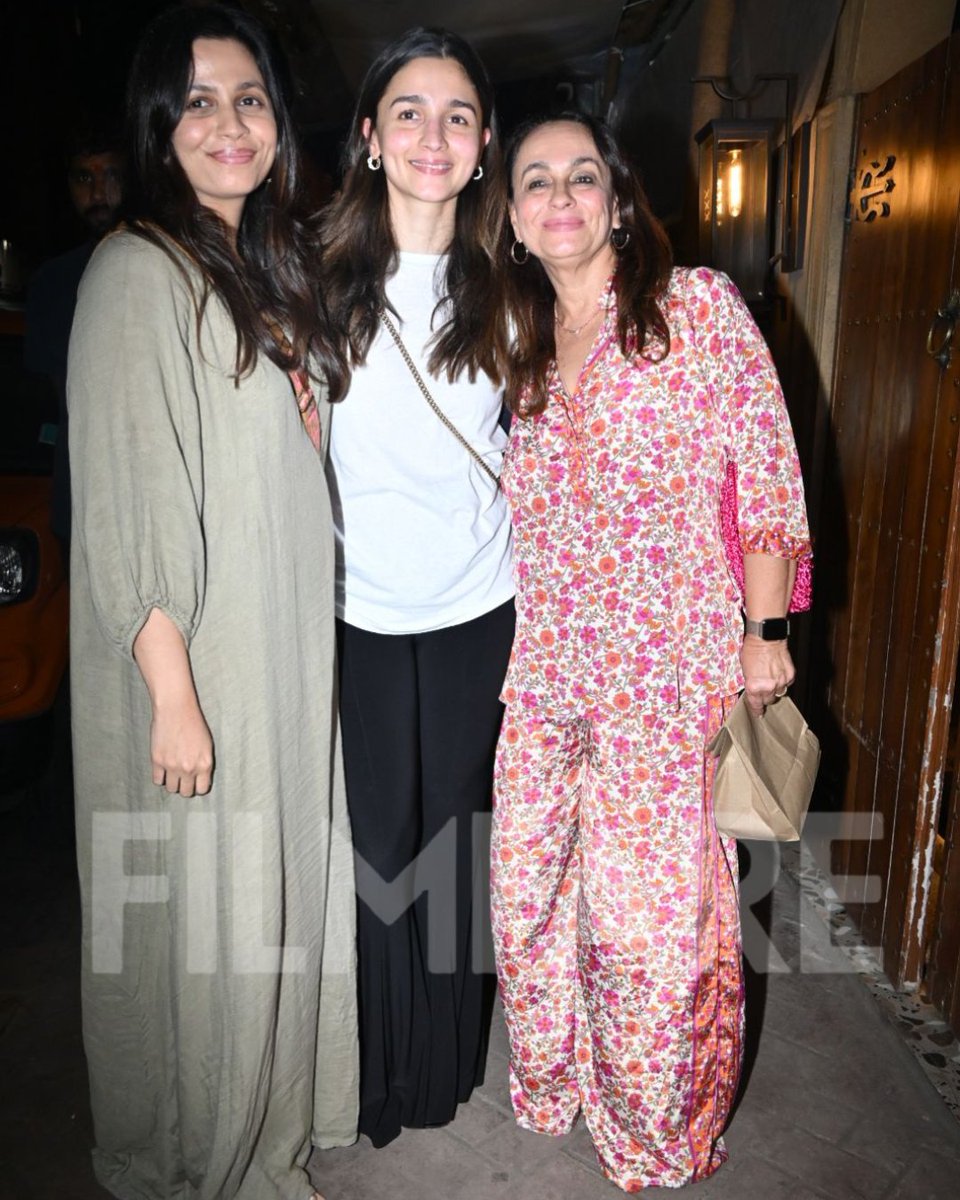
(181, 747)
(768, 671)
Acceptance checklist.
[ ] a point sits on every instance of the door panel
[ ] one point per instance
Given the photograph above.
(942, 983)
(890, 506)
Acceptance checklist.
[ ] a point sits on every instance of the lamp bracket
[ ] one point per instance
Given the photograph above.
(723, 87)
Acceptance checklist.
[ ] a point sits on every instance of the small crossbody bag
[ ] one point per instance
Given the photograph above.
(405, 355)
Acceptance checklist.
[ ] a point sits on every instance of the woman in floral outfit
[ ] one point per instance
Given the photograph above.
(638, 391)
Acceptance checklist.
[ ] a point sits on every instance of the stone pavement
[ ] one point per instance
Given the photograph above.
(834, 1106)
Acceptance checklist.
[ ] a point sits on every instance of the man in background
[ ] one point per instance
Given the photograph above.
(95, 183)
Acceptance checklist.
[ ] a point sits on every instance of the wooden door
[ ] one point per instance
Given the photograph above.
(888, 535)
(942, 977)
(942, 952)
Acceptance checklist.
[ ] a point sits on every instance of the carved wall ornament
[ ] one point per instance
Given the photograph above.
(869, 196)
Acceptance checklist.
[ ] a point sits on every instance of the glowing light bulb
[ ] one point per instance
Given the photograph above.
(735, 184)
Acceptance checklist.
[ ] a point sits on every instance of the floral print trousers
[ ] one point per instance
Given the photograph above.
(616, 926)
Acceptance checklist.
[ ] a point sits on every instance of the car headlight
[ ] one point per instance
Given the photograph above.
(19, 561)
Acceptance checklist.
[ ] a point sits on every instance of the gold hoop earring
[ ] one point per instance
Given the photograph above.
(515, 255)
(619, 238)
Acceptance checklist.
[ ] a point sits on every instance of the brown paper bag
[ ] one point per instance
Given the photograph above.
(765, 772)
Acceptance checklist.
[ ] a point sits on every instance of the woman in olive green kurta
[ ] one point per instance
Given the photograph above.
(218, 975)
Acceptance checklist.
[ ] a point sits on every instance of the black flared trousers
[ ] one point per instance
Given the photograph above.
(420, 715)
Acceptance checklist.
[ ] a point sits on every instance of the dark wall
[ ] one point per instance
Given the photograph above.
(63, 63)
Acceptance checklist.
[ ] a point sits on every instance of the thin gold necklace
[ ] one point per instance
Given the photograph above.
(579, 328)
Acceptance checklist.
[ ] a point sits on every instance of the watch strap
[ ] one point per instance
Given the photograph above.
(770, 629)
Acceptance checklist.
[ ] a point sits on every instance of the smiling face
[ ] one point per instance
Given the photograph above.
(227, 137)
(429, 134)
(563, 207)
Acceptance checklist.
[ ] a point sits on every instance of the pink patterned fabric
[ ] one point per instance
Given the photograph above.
(302, 390)
(614, 899)
(625, 599)
(615, 917)
(307, 404)
(802, 595)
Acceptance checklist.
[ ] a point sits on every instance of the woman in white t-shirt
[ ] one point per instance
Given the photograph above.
(425, 590)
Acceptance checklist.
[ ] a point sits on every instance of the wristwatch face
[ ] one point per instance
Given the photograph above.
(772, 629)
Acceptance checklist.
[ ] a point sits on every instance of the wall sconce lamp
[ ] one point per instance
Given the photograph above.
(737, 181)
(734, 220)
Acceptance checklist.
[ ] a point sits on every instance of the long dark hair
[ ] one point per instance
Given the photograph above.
(359, 249)
(269, 277)
(643, 272)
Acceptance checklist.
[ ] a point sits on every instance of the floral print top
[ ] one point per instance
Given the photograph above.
(625, 600)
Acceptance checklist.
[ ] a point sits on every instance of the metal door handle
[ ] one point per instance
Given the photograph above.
(946, 319)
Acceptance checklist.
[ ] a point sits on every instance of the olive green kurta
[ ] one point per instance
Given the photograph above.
(207, 501)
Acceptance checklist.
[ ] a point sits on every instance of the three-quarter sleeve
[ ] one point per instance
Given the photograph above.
(770, 509)
(135, 442)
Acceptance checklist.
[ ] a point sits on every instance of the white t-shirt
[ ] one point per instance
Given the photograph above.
(423, 536)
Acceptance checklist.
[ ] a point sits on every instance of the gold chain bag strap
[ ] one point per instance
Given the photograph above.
(392, 330)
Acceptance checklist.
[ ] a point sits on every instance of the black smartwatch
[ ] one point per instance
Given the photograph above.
(773, 629)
